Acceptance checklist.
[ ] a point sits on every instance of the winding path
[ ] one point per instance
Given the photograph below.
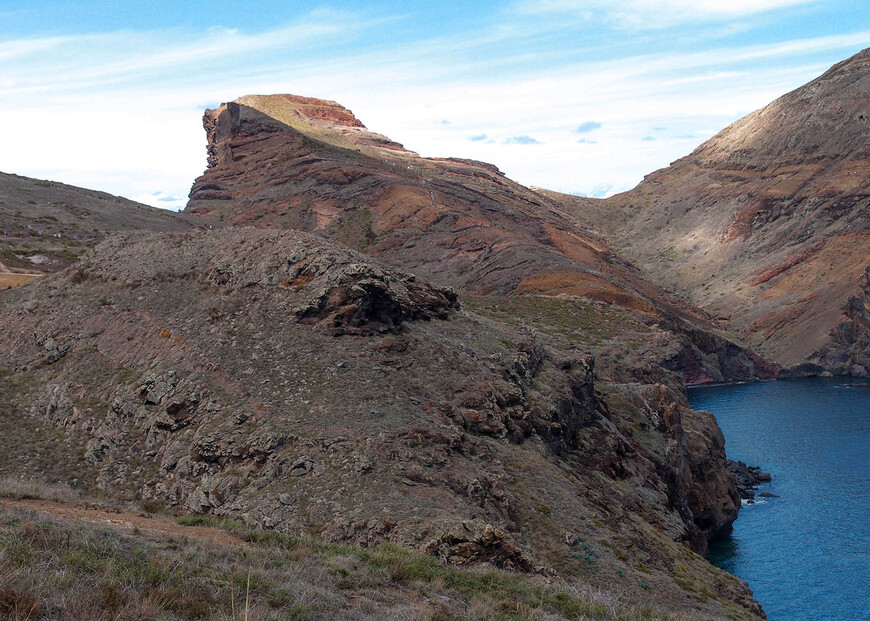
(150, 524)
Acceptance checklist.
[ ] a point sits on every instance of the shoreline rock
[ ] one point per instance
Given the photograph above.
(747, 478)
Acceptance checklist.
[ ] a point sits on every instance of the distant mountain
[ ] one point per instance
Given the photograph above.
(46, 226)
(767, 224)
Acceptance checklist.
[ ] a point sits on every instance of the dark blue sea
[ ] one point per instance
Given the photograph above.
(806, 553)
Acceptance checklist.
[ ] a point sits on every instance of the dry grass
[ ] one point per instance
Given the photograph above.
(20, 488)
(8, 280)
(54, 570)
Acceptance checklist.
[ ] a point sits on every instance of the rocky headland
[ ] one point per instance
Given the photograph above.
(343, 341)
(284, 381)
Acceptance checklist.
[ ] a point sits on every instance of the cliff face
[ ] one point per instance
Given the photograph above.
(767, 225)
(300, 163)
(282, 380)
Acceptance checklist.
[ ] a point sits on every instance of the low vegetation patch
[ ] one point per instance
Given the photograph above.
(55, 570)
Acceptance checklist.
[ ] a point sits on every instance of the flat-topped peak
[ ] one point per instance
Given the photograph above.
(319, 119)
(281, 106)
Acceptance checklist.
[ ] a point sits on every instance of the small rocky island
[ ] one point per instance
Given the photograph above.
(747, 478)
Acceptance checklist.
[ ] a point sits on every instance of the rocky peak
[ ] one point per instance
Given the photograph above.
(308, 107)
(767, 224)
(826, 119)
(247, 119)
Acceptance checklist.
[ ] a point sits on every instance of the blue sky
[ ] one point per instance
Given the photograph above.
(582, 96)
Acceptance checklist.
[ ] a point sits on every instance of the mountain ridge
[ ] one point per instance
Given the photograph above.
(767, 224)
(350, 342)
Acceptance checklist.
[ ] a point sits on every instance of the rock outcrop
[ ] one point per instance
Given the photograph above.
(190, 373)
(767, 225)
(337, 289)
(292, 162)
(747, 478)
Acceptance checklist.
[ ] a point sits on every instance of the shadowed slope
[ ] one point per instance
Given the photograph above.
(767, 225)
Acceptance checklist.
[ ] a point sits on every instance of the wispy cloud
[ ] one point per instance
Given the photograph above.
(520, 140)
(24, 47)
(121, 111)
(654, 14)
(92, 60)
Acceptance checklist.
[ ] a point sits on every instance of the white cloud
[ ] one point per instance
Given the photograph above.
(121, 112)
(93, 60)
(653, 14)
(24, 47)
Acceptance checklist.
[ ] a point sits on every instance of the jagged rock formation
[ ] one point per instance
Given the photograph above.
(203, 373)
(747, 478)
(767, 225)
(301, 163)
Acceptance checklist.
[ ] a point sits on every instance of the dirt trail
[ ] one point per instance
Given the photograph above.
(156, 525)
(9, 279)
(4, 269)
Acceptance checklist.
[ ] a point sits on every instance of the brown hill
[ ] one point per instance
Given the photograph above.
(767, 225)
(281, 380)
(46, 226)
(269, 374)
(293, 162)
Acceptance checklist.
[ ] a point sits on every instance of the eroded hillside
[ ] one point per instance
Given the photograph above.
(46, 226)
(767, 225)
(283, 381)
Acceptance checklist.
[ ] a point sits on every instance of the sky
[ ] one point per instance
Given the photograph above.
(579, 96)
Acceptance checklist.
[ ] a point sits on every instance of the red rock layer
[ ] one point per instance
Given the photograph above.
(767, 225)
(458, 222)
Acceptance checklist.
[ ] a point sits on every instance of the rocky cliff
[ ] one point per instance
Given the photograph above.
(301, 163)
(363, 345)
(767, 224)
(285, 381)
(370, 346)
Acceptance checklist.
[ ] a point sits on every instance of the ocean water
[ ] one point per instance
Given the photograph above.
(805, 553)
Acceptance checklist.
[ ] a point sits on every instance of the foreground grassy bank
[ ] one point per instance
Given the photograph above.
(62, 569)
